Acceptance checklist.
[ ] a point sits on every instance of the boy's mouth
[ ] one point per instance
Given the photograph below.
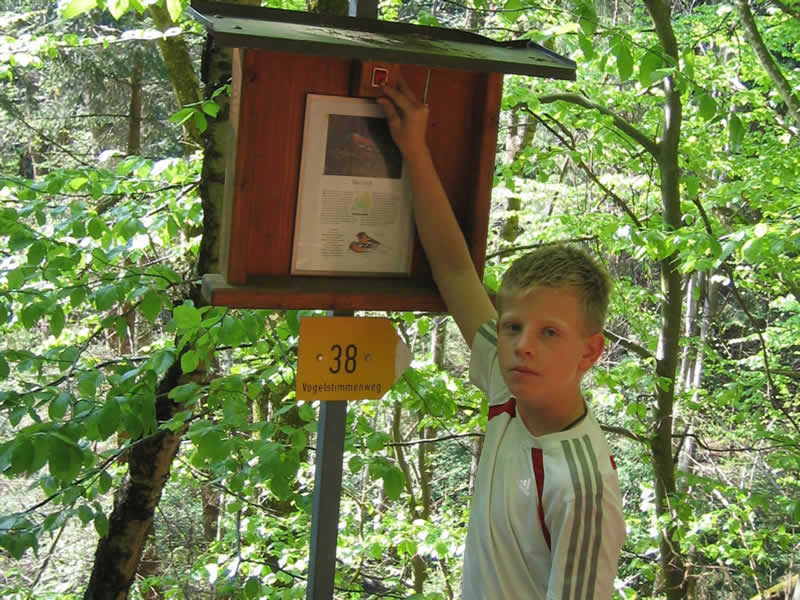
(523, 371)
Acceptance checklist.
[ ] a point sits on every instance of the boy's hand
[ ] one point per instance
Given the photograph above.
(407, 117)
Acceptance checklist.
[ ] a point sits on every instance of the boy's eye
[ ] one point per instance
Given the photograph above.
(549, 332)
(511, 326)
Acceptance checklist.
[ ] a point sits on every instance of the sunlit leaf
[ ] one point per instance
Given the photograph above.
(74, 8)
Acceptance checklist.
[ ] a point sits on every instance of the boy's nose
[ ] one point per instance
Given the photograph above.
(524, 346)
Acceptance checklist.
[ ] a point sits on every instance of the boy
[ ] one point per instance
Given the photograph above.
(546, 519)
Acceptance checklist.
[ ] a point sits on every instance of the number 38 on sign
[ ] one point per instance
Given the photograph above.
(348, 358)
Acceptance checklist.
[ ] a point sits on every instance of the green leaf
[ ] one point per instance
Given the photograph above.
(377, 441)
(210, 108)
(692, 184)
(213, 445)
(355, 463)
(22, 455)
(707, 106)
(77, 7)
(58, 406)
(117, 8)
(77, 296)
(175, 8)
(105, 297)
(651, 61)
(121, 327)
(587, 47)
(190, 360)
(151, 305)
(96, 228)
(104, 482)
(4, 368)
(36, 253)
(57, 321)
(184, 393)
(624, 59)
(393, 481)
(101, 524)
(293, 321)
(187, 316)
(511, 11)
(232, 331)
(15, 279)
(234, 411)
(735, 132)
(88, 382)
(64, 460)
(252, 587)
(85, 514)
(306, 412)
(109, 419)
(31, 315)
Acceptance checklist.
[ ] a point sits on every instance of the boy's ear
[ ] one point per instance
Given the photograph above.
(592, 349)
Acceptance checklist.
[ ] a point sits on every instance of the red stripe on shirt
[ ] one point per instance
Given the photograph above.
(509, 407)
(538, 473)
(613, 462)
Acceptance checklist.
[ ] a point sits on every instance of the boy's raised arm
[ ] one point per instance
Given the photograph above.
(441, 237)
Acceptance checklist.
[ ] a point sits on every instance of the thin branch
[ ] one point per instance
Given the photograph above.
(629, 345)
(627, 433)
(633, 132)
(434, 440)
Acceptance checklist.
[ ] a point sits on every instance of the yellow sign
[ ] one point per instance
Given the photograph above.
(348, 358)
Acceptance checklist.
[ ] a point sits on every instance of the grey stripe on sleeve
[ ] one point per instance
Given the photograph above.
(489, 332)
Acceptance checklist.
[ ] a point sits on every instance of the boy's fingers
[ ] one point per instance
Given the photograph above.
(397, 98)
(389, 109)
(405, 89)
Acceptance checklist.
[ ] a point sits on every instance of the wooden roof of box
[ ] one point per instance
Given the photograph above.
(368, 39)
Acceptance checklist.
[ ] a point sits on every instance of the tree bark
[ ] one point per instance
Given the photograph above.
(753, 37)
(118, 554)
(178, 61)
(673, 568)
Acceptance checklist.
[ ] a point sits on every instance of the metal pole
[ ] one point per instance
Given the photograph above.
(327, 495)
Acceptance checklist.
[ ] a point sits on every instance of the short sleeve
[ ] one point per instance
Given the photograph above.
(484, 370)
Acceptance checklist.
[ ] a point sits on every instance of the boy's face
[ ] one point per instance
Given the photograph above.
(543, 346)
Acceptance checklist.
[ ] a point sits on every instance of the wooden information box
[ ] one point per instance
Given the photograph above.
(282, 57)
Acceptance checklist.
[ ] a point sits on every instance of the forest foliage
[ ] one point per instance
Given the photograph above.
(674, 158)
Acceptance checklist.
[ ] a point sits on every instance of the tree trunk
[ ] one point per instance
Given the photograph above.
(673, 568)
(118, 553)
(178, 61)
(753, 37)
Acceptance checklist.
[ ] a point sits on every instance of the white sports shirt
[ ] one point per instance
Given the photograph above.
(546, 520)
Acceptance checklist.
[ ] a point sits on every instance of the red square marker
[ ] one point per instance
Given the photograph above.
(379, 76)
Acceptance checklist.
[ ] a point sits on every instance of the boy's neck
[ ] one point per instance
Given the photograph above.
(554, 419)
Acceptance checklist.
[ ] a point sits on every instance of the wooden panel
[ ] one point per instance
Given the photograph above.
(269, 99)
(268, 162)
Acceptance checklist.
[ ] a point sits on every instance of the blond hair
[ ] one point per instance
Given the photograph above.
(562, 266)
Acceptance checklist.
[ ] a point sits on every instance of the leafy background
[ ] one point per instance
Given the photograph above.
(106, 345)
